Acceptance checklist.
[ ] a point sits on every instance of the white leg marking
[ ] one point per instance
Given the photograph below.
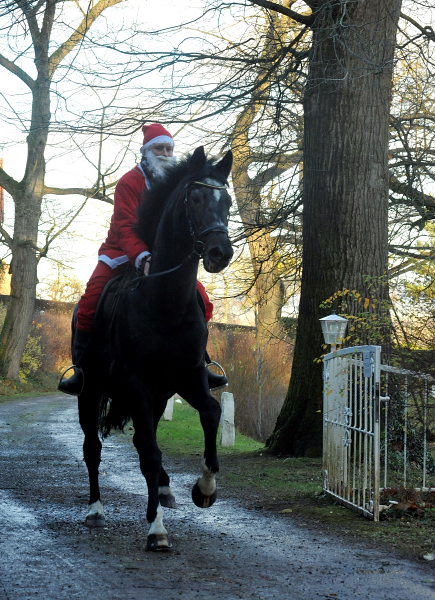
(207, 483)
(157, 525)
(165, 490)
(96, 509)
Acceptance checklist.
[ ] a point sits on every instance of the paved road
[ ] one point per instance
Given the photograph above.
(227, 552)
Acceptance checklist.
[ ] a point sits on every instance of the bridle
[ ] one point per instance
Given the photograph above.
(198, 244)
(198, 250)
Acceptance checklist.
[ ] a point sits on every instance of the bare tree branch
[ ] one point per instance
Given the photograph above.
(304, 19)
(65, 48)
(418, 197)
(13, 68)
(95, 194)
(7, 182)
(426, 31)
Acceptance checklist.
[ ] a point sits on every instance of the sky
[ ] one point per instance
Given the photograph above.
(67, 164)
(71, 161)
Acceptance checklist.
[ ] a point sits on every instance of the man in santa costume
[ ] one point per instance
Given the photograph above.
(123, 245)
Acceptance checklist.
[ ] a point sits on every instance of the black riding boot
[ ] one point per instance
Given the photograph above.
(74, 384)
(215, 382)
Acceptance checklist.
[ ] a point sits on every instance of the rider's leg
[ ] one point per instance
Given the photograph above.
(74, 384)
(84, 325)
(215, 382)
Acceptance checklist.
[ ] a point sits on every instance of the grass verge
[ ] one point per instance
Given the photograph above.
(44, 383)
(291, 487)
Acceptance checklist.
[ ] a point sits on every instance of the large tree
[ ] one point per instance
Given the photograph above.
(28, 32)
(345, 195)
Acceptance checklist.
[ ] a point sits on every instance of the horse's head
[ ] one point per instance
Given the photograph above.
(208, 205)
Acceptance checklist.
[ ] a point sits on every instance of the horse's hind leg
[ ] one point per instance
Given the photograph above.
(197, 394)
(166, 497)
(150, 459)
(89, 411)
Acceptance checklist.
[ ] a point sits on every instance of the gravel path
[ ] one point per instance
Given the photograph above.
(227, 552)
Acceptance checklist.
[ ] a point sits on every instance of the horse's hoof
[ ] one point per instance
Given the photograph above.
(95, 520)
(200, 500)
(158, 542)
(167, 500)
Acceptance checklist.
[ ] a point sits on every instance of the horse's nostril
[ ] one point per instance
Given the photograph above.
(215, 254)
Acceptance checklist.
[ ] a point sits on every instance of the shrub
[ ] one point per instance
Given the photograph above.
(258, 377)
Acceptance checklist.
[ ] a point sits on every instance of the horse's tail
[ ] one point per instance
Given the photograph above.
(113, 415)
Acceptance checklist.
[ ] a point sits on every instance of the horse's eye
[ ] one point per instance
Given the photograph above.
(195, 196)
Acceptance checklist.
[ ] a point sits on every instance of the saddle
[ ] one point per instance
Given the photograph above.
(108, 302)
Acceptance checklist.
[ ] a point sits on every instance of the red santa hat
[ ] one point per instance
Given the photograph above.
(155, 134)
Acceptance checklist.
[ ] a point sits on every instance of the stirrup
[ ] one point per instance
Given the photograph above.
(213, 362)
(217, 386)
(66, 371)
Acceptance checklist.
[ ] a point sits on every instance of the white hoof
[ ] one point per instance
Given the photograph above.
(157, 535)
(95, 516)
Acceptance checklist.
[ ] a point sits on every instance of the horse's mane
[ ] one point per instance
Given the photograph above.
(163, 190)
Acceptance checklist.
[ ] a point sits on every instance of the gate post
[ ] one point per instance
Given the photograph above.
(376, 432)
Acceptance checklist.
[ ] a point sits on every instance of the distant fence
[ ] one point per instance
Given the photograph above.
(379, 428)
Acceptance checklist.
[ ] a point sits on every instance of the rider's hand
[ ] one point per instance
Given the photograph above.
(144, 266)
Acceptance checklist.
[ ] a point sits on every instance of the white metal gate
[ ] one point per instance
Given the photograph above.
(351, 412)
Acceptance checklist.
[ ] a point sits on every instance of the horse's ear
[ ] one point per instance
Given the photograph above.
(224, 165)
(197, 160)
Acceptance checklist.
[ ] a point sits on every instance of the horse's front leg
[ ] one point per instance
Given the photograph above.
(196, 392)
(89, 410)
(150, 459)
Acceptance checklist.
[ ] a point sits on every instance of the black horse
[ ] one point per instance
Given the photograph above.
(151, 335)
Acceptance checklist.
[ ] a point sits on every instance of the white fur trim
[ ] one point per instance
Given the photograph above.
(160, 139)
(147, 183)
(140, 257)
(113, 262)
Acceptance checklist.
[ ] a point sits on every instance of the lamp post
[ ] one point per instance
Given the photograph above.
(333, 328)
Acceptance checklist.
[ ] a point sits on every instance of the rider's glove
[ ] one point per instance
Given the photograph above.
(144, 266)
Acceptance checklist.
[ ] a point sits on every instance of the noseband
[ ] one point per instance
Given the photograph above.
(198, 244)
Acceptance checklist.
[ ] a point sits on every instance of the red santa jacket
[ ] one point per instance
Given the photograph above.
(122, 243)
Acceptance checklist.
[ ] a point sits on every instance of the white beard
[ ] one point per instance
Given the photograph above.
(158, 164)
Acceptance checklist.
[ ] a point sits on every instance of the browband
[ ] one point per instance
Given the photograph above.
(209, 185)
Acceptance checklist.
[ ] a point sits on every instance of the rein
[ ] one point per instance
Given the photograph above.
(198, 244)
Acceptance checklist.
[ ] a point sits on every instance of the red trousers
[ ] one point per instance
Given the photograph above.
(97, 282)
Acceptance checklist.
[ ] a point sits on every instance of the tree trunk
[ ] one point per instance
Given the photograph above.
(27, 194)
(267, 286)
(27, 198)
(346, 117)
